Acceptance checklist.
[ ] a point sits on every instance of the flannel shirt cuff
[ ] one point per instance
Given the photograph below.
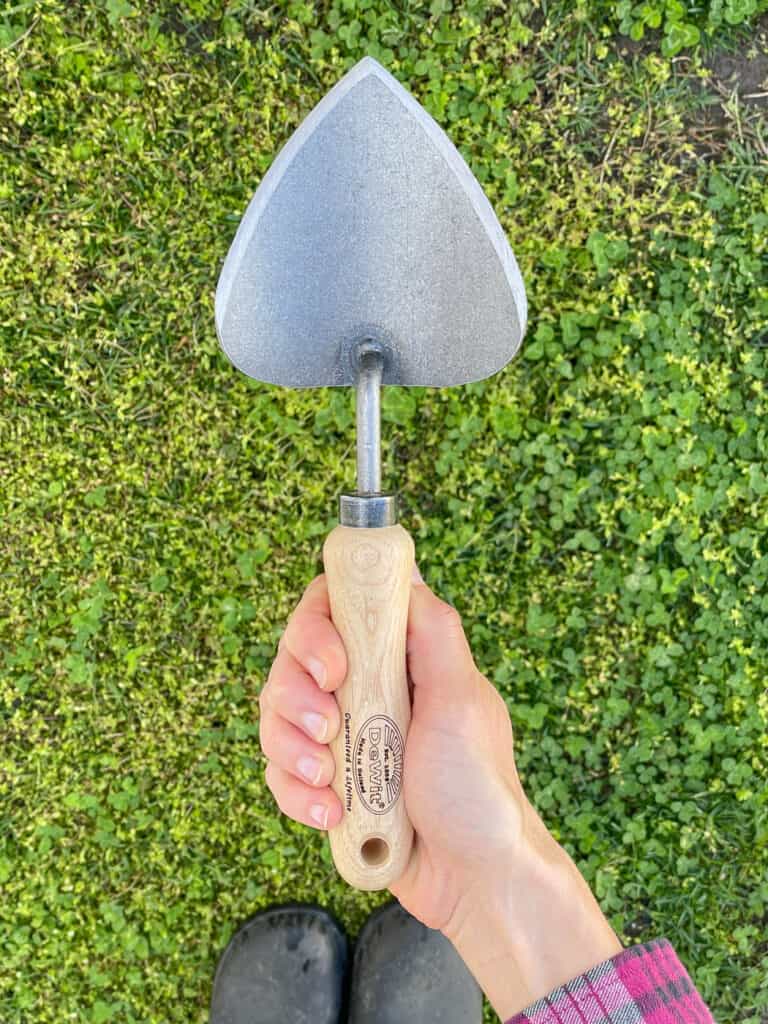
(645, 984)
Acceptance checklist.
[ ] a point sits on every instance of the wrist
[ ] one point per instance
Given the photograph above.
(530, 925)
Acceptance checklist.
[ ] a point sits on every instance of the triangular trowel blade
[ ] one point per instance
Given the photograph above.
(370, 223)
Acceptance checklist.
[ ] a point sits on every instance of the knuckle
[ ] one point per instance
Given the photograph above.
(274, 787)
(450, 619)
(279, 800)
(300, 634)
(305, 632)
(287, 639)
(266, 739)
(275, 691)
(500, 710)
(318, 583)
(500, 703)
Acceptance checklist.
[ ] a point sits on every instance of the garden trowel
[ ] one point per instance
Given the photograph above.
(368, 256)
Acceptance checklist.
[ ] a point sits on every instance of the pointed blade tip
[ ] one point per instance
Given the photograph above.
(369, 67)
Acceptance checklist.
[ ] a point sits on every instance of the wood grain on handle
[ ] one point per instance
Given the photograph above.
(369, 584)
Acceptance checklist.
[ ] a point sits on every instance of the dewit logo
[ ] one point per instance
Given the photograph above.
(378, 763)
(374, 766)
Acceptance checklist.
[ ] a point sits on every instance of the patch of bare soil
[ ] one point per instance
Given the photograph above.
(733, 100)
(745, 73)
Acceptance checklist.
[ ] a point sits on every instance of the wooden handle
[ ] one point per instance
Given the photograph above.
(369, 584)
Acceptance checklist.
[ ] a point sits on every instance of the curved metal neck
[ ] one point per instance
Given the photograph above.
(368, 507)
(370, 370)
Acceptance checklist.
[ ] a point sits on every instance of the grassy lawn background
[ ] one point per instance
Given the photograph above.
(597, 511)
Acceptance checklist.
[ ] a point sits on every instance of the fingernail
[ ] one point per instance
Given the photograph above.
(310, 768)
(416, 575)
(316, 725)
(319, 814)
(317, 670)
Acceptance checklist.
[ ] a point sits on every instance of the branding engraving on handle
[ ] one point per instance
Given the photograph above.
(378, 763)
(348, 761)
(365, 556)
(369, 564)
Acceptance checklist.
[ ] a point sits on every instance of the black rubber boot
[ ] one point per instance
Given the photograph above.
(286, 965)
(404, 971)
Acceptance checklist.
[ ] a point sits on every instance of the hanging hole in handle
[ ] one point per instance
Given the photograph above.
(374, 852)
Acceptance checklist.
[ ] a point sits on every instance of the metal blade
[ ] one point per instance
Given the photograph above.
(370, 223)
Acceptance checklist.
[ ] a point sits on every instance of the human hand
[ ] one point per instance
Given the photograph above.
(483, 868)
(460, 785)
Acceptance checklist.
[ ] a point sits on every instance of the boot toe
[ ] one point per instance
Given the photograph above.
(403, 970)
(285, 963)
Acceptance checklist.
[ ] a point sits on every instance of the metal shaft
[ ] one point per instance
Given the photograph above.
(368, 507)
(368, 407)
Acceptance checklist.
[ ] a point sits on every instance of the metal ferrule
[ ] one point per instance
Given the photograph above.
(367, 506)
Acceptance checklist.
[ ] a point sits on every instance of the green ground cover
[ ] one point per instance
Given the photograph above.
(597, 512)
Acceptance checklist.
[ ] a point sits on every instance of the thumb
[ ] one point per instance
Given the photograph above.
(440, 662)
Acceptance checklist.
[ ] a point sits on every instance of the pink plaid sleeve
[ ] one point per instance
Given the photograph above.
(644, 984)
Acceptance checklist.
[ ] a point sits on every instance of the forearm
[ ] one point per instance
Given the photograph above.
(531, 926)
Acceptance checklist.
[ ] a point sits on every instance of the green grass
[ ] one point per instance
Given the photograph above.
(597, 511)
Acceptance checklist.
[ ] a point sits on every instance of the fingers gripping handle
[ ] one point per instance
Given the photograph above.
(369, 583)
